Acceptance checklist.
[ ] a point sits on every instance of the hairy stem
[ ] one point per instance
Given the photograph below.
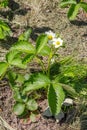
(49, 61)
(41, 63)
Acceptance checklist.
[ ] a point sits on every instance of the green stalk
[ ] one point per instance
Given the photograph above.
(52, 53)
(42, 64)
(3, 74)
(49, 60)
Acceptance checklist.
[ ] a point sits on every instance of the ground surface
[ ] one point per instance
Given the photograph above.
(41, 16)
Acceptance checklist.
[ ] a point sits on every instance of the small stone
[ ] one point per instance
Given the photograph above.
(59, 117)
(68, 102)
(47, 112)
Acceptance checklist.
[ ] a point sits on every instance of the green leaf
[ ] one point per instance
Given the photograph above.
(4, 26)
(15, 79)
(25, 36)
(36, 81)
(32, 105)
(69, 89)
(19, 97)
(45, 51)
(41, 42)
(12, 77)
(11, 55)
(4, 3)
(28, 58)
(2, 35)
(3, 68)
(23, 46)
(4, 30)
(33, 117)
(83, 5)
(65, 3)
(14, 58)
(73, 11)
(55, 98)
(19, 108)
(18, 62)
(20, 78)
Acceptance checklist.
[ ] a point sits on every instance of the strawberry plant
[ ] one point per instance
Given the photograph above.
(20, 55)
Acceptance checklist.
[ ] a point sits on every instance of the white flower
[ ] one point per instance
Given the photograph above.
(50, 35)
(57, 42)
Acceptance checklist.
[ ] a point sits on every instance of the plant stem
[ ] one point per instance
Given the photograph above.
(3, 75)
(51, 55)
(42, 64)
(49, 60)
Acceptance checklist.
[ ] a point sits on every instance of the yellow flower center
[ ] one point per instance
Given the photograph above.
(50, 37)
(58, 43)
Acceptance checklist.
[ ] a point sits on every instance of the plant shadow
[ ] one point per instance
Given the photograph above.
(39, 30)
(79, 23)
(9, 41)
(14, 9)
(54, 70)
(85, 35)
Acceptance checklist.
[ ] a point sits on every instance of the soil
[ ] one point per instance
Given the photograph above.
(41, 16)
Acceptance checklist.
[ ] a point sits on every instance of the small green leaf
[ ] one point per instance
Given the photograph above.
(65, 3)
(4, 3)
(3, 68)
(2, 35)
(32, 105)
(69, 89)
(20, 78)
(23, 46)
(14, 87)
(4, 30)
(73, 11)
(36, 81)
(11, 55)
(28, 58)
(12, 77)
(55, 98)
(24, 98)
(25, 36)
(45, 51)
(33, 117)
(19, 97)
(14, 58)
(18, 62)
(4, 26)
(41, 42)
(19, 108)
(84, 5)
